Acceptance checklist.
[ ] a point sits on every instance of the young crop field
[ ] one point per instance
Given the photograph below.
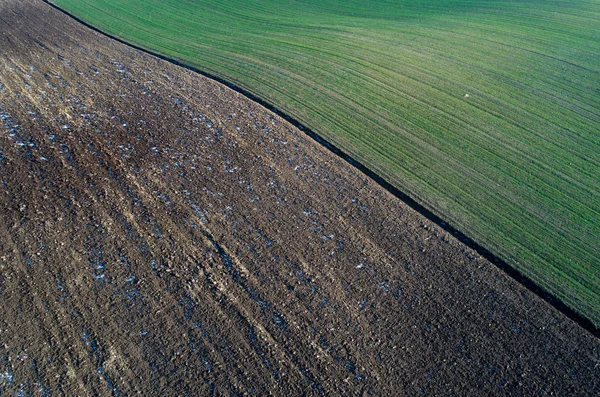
(487, 112)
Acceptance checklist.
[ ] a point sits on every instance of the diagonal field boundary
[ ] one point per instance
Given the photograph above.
(515, 274)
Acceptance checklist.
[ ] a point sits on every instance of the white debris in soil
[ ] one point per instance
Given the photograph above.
(7, 376)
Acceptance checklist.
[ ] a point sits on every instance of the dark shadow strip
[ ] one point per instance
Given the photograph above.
(515, 274)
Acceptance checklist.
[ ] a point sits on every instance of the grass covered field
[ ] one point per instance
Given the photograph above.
(487, 112)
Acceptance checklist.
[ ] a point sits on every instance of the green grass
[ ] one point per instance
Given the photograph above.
(515, 165)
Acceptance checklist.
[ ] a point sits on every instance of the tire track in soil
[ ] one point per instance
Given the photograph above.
(181, 239)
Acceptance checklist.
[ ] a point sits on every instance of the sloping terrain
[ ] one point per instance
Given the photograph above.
(161, 234)
(487, 112)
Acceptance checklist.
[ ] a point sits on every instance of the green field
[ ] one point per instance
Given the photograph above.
(485, 111)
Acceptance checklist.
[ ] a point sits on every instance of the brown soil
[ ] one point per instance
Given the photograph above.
(161, 234)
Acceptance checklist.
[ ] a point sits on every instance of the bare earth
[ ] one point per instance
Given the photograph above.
(160, 234)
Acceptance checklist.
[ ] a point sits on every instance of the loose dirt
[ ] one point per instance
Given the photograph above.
(160, 234)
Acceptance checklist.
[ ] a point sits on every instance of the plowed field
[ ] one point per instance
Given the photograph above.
(160, 234)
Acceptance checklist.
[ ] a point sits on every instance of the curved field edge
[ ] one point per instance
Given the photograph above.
(527, 282)
(485, 113)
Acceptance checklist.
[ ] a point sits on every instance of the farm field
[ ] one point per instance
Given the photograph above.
(486, 112)
(163, 235)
